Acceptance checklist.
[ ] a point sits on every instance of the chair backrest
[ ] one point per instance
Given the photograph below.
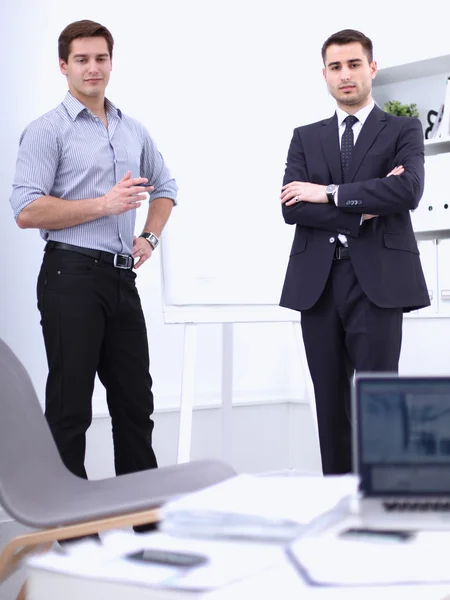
(38, 490)
(29, 458)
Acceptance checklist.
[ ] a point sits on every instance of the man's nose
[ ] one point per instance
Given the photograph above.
(92, 66)
(345, 74)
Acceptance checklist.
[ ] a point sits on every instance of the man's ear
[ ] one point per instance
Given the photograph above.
(63, 66)
(374, 69)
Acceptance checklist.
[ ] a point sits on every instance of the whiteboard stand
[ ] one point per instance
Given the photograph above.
(191, 317)
(309, 389)
(188, 391)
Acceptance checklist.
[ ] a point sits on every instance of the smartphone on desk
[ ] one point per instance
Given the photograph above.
(376, 535)
(168, 558)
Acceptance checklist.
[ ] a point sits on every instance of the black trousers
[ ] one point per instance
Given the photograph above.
(92, 322)
(345, 332)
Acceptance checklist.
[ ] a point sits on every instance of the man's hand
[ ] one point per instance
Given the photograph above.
(300, 191)
(397, 171)
(142, 250)
(126, 195)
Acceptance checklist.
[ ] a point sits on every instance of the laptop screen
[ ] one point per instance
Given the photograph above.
(402, 435)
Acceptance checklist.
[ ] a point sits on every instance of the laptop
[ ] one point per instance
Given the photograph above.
(401, 451)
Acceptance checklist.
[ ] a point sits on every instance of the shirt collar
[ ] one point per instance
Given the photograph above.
(74, 107)
(361, 115)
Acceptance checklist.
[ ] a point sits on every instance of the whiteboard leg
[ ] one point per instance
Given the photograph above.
(227, 390)
(309, 389)
(187, 393)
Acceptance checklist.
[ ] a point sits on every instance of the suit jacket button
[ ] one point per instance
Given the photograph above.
(348, 202)
(332, 240)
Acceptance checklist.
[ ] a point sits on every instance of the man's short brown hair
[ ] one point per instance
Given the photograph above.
(348, 36)
(82, 29)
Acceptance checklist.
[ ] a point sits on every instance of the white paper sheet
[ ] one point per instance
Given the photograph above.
(226, 561)
(330, 560)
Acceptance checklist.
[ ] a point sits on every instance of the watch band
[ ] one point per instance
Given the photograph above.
(151, 238)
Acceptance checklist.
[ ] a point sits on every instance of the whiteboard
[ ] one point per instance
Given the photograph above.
(231, 112)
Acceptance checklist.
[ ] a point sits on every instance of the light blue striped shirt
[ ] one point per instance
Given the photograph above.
(68, 153)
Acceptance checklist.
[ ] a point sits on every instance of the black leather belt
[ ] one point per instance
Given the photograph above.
(341, 253)
(120, 261)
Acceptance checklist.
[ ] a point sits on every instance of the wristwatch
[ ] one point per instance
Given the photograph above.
(151, 238)
(330, 191)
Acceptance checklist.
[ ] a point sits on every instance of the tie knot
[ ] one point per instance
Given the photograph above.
(350, 120)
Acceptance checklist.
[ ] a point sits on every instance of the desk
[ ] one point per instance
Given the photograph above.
(256, 570)
(280, 582)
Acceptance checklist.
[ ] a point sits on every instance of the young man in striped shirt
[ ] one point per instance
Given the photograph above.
(79, 177)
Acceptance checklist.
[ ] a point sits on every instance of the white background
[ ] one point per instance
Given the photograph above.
(220, 86)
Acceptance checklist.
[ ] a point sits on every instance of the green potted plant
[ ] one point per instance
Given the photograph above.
(394, 107)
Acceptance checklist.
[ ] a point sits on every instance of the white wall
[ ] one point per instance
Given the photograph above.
(147, 47)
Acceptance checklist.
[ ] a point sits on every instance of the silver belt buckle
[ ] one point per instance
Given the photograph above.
(122, 261)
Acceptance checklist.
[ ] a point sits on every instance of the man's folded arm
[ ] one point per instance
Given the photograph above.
(390, 195)
(320, 216)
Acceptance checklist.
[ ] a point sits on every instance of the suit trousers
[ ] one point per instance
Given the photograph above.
(92, 323)
(345, 332)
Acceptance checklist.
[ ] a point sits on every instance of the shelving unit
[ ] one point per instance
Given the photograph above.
(424, 84)
(437, 146)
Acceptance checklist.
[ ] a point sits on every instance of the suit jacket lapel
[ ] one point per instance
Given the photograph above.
(375, 122)
(329, 138)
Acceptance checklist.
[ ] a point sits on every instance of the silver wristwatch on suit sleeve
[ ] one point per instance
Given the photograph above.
(330, 191)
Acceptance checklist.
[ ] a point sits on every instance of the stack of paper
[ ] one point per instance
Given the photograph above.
(265, 508)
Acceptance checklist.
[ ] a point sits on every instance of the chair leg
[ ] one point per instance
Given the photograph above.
(20, 546)
(22, 595)
(13, 553)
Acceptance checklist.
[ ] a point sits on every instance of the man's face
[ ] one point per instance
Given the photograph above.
(349, 75)
(88, 67)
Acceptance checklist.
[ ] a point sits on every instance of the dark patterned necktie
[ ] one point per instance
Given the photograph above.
(347, 144)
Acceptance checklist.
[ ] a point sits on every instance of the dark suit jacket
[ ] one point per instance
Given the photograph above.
(383, 250)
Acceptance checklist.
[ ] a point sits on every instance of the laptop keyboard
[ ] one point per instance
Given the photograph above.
(410, 505)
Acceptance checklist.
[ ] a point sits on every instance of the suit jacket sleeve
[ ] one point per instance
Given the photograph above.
(389, 195)
(321, 216)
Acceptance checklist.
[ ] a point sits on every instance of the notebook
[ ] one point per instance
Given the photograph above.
(401, 445)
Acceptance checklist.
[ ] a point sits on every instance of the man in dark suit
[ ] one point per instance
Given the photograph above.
(349, 185)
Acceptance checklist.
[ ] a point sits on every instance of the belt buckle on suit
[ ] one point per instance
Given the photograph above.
(341, 253)
(122, 261)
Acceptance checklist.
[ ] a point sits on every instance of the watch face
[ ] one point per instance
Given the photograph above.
(330, 188)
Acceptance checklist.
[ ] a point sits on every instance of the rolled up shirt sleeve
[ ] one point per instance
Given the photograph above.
(36, 166)
(155, 169)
